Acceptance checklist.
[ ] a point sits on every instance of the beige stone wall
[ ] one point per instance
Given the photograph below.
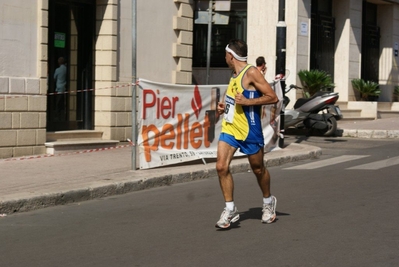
(348, 38)
(164, 52)
(23, 91)
(164, 40)
(112, 106)
(262, 21)
(183, 46)
(22, 118)
(297, 42)
(301, 41)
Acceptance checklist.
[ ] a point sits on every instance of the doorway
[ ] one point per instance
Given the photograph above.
(370, 43)
(322, 47)
(70, 43)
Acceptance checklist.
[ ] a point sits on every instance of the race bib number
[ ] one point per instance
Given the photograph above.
(229, 109)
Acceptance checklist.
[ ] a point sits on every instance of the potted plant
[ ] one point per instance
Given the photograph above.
(368, 90)
(396, 93)
(315, 80)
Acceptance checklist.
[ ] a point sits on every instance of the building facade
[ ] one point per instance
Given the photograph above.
(347, 38)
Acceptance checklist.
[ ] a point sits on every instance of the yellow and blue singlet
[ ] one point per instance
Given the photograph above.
(242, 122)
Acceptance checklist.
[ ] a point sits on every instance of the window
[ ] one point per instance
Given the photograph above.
(221, 34)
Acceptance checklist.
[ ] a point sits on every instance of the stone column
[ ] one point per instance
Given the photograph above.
(388, 21)
(112, 98)
(348, 38)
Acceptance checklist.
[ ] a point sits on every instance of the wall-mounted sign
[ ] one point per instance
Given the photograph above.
(304, 29)
(59, 39)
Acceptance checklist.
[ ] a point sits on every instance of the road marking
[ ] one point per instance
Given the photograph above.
(326, 162)
(376, 165)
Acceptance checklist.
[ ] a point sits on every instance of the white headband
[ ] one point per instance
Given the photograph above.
(235, 55)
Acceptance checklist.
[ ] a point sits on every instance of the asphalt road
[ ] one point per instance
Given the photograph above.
(333, 212)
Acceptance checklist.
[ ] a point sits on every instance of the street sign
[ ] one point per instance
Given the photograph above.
(218, 18)
(222, 5)
(201, 17)
(221, 18)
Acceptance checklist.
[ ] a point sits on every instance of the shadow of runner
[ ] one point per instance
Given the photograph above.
(251, 214)
(256, 214)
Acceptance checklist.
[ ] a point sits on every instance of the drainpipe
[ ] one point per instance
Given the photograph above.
(134, 79)
(280, 61)
(209, 41)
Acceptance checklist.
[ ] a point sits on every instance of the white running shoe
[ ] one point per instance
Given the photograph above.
(227, 217)
(269, 211)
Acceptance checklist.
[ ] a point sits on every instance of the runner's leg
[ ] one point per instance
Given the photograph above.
(260, 171)
(224, 156)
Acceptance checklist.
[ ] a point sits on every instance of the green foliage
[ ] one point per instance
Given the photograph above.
(315, 80)
(367, 89)
(396, 92)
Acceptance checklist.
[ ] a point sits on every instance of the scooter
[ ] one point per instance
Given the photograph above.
(318, 112)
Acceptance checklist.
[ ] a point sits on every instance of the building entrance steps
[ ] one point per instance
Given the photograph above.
(71, 141)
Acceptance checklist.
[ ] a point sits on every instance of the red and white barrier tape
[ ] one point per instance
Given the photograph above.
(71, 153)
(68, 92)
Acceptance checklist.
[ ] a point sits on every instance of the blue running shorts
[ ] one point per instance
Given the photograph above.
(245, 147)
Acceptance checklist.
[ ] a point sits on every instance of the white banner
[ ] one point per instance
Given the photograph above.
(179, 123)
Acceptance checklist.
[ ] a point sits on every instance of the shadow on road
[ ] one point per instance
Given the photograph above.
(256, 214)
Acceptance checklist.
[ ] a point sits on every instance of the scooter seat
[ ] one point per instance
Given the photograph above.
(301, 101)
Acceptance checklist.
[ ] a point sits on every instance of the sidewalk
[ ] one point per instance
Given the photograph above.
(380, 128)
(48, 181)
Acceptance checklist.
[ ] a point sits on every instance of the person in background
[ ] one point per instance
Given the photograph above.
(248, 90)
(60, 85)
(261, 65)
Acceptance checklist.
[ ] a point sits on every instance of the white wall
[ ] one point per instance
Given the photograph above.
(387, 73)
(125, 41)
(262, 23)
(261, 37)
(18, 38)
(155, 39)
(348, 38)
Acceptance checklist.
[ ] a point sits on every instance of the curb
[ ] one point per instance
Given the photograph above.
(370, 134)
(127, 183)
(355, 133)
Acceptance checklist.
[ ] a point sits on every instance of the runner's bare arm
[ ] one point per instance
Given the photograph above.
(254, 79)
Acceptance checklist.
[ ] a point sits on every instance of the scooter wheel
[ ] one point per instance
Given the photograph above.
(331, 127)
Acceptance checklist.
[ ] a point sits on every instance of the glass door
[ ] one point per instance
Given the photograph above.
(70, 65)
